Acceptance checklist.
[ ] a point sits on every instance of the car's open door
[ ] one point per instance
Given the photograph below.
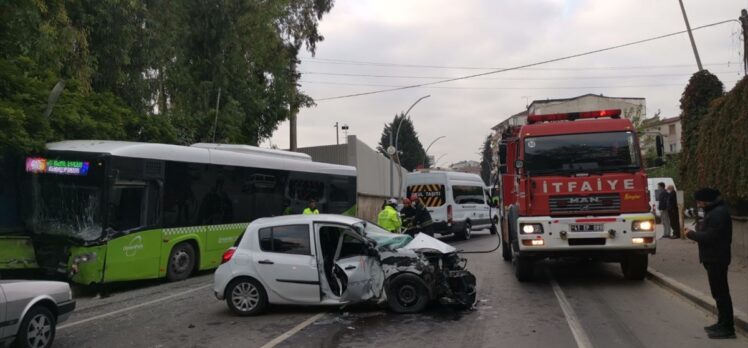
(357, 268)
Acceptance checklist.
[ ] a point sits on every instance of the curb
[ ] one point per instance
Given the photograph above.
(700, 299)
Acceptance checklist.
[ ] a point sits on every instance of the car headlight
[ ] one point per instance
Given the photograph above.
(643, 226)
(534, 228)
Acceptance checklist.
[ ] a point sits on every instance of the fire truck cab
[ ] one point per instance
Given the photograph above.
(573, 185)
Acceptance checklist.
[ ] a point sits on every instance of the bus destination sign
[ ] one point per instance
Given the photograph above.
(39, 165)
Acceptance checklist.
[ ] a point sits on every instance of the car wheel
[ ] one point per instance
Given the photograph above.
(37, 329)
(181, 262)
(246, 297)
(407, 293)
(634, 266)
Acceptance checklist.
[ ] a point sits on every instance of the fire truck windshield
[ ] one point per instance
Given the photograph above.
(581, 153)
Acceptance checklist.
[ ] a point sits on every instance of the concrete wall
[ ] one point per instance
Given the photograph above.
(373, 170)
(740, 239)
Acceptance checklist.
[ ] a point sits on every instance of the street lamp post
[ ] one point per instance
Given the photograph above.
(426, 153)
(392, 150)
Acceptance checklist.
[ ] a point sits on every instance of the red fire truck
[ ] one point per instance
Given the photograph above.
(573, 185)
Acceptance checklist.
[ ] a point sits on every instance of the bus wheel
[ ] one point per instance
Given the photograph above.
(181, 262)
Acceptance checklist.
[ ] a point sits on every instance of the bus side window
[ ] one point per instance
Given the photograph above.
(126, 207)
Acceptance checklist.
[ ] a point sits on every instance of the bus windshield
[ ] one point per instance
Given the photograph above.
(574, 153)
(67, 204)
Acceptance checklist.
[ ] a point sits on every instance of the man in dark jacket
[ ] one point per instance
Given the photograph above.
(714, 236)
(672, 211)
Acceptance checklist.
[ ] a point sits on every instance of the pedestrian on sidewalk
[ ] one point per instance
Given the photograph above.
(672, 211)
(662, 199)
(714, 236)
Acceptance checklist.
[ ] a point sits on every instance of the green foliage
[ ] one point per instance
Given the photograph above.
(722, 151)
(411, 150)
(702, 89)
(151, 70)
(486, 162)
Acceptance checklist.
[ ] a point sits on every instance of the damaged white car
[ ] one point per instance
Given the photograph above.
(337, 260)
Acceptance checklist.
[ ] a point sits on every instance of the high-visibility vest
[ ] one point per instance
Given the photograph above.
(308, 211)
(389, 219)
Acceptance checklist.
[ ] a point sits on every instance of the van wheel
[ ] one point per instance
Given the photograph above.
(467, 231)
(181, 262)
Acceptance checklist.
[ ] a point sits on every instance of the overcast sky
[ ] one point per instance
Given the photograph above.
(440, 39)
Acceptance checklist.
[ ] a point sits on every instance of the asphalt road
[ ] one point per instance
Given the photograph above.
(570, 304)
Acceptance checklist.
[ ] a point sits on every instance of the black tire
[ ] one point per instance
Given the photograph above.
(466, 232)
(506, 252)
(634, 266)
(181, 262)
(246, 297)
(37, 328)
(524, 267)
(407, 293)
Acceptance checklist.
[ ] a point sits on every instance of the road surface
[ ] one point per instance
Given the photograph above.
(570, 304)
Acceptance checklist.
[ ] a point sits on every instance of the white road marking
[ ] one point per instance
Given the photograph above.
(278, 340)
(583, 341)
(97, 317)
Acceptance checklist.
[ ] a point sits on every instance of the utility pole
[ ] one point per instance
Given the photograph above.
(292, 110)
(215, 120)
(690, 36)
(337, 134)
(744, 24)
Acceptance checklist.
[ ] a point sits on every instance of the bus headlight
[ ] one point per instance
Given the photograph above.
(643, 226)
(84, 258)
(534, 228)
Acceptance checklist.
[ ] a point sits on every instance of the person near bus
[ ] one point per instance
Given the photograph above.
(672, 211)
(389, 218)
(311, 209)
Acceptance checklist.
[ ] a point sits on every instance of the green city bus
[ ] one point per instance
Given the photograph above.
(109, 211)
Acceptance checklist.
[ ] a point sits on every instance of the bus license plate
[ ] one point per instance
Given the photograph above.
(587, 228)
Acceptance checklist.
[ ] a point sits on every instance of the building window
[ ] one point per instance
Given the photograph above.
(671, 129)
(672, 148)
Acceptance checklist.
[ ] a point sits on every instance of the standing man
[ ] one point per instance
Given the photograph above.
(389, 218)
(714, 236)
(662, 200)
(672, 211)
(311, 209)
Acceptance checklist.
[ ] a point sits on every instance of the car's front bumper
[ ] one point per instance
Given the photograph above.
(64, 310)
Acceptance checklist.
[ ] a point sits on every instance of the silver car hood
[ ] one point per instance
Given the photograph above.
(423, 242)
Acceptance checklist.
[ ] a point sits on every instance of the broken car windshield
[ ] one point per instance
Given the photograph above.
(385, 240)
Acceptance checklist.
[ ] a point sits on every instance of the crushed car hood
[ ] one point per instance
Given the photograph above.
(423, 242)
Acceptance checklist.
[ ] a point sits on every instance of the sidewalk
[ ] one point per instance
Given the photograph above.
(676, 266)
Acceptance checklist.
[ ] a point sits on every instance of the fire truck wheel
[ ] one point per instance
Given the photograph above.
(506, 253)
(523, 268)
(634, 266)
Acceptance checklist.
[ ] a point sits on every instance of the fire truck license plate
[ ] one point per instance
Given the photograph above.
(587, 228)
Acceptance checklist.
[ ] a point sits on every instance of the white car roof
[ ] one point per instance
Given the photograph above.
(303, 219)
(194, 154)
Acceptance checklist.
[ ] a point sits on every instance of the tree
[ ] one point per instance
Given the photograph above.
(411, 150)
(486, 162)
(702, 89)
(151, 70)
(722, 150)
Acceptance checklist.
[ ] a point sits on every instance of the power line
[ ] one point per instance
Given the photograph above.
(497, 88)
(521, 66)
(507, 78)
(424, 66)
